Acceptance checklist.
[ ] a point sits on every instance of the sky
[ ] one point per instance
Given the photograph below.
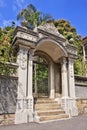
(74, 11)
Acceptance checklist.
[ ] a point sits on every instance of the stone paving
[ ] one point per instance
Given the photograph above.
(76, 123)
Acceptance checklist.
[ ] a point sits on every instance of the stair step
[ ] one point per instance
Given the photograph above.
(45, 101)
(49, 113)
(48, 108)
(54, 117)
(47, 104)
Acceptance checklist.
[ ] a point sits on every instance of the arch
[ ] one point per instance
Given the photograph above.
(43, 55)
(54, 49)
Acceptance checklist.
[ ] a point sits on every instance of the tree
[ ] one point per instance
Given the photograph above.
(69, 32)
(6, 55)
(33, 16)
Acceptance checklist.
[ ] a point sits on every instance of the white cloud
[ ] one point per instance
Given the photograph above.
(2, 3)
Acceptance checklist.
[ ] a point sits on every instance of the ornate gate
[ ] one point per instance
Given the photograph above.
(40, 77)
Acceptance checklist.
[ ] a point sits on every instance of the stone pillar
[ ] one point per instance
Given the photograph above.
(64, 78)
(72, 98)
(24, 109)
(30, 87)
(51, 78)
(71, 78)
(21, 111)
(35, 81)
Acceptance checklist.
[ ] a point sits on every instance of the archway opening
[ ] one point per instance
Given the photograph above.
(40, 77)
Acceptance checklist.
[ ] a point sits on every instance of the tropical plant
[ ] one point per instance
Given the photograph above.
(33, 16)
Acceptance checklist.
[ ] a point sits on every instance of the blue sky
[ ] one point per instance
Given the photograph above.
(74, 11)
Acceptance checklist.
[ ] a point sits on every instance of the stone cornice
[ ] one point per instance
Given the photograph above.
(72, 50)
(23, 42)
(25, 30)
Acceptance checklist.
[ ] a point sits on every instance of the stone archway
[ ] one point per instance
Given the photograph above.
(45, 39)
(56, 52)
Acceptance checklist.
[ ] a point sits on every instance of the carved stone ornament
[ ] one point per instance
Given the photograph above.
(49, 27)
(22, 58)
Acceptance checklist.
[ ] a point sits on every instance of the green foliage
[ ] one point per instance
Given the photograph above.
(33, 16)
(40, 75)
(80, 67)
(6, 55)
(69, 32)
(42, 78)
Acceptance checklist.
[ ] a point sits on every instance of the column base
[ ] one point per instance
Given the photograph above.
(69, 105)
(24, 111)
(65, 104)
(52, 93)
(73, 107)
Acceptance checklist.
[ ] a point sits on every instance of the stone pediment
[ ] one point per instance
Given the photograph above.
(50, 28)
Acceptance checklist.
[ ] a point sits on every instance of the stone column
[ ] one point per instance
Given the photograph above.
(51, 78)
(64, 78)
(72, 101)
(21, 113)
(71, 78)
(30, 87)
(35, 81)
(30, 74)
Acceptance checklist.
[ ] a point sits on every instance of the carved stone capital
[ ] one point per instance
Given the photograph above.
(63, 60)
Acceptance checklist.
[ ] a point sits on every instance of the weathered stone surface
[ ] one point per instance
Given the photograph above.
(6, 119)
(8, 95)
(81, 91)
(82, 106)
(81, 87)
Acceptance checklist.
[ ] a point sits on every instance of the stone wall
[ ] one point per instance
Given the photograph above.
(82, 106)
(81, 87)
(81, 94)
(8, 95)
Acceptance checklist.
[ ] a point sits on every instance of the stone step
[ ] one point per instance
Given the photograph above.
(45, 101)
(47, 104)
(50, 112)
(54, 117)
(47, 108)
(45, 98)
